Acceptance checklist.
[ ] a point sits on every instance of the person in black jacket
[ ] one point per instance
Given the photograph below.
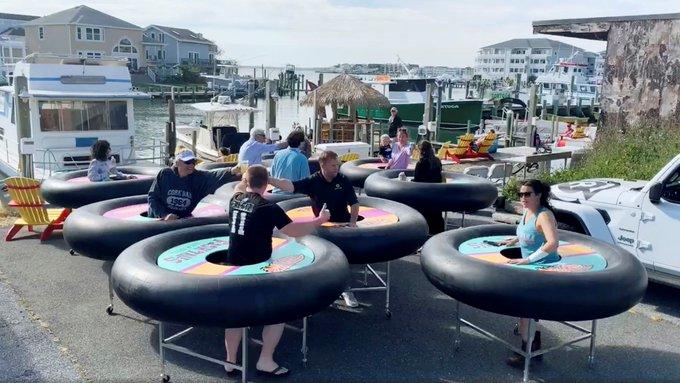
(177, 190)
(395, 122)
(429, 169)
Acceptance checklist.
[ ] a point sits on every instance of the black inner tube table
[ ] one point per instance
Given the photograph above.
(590, 281)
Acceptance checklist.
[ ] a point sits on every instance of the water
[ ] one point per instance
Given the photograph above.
(151, 115)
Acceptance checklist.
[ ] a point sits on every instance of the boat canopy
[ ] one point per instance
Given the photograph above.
(84, 95)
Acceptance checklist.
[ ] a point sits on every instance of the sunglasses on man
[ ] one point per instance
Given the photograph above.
(190, 162)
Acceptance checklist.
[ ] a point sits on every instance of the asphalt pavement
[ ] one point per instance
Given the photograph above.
(53, 327)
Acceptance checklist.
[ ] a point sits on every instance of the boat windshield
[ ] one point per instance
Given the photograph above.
(63, 116)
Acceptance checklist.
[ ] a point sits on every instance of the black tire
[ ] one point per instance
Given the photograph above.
(513, 291)
(466, 194)
(229, 301)
(58, 191)
(363, 245)
(215, 165)
(356, 174)
(89, 233)
(227, 191)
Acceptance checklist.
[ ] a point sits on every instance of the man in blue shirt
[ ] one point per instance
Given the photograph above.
(253, 149)
(290, 163)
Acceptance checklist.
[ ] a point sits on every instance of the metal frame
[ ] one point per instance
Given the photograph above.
(384, 285)
(164, 343)
(588, 334)
(243, 367)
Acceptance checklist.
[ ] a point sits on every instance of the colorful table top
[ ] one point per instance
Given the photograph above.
(134, 212)
(372, 217)
(191, 258)
(574, 257)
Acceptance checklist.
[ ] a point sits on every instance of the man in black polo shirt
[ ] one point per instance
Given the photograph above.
(329, 187)
(253, 219)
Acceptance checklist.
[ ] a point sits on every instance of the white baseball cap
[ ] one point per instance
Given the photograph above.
(186, 155)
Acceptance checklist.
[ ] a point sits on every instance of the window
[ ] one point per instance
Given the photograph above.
(153, 36)
(211, 57)
(518, 51)
(77, 116)
(193, 56)
(41, 33)
(89, 34)
(671, 188)
(90, 55)
(124, 46)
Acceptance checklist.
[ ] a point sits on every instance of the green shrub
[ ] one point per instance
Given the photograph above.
(510, 189)
(636, 154)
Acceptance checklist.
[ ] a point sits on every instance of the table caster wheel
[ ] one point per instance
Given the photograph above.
(456, 345)
(165, 378)
(516, 329)
(109, 310)
(591, 362)
(72, 252)
(388, 314)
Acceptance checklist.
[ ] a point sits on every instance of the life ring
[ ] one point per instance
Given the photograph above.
(386, 230)
(592, 279)
(73, 189)
(227, 191)
(104, 229)
(460, 193)
(176, 277)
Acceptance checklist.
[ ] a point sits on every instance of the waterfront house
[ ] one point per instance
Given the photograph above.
(12, 42)
(165, 48)
(86, 32)
(528, 57)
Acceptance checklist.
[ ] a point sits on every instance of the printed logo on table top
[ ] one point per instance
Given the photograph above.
(190, 258)
(588, 187)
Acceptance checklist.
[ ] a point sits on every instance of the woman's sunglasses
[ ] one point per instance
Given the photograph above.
(524, 194)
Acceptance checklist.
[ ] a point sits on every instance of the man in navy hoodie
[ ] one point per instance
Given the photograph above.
(178, 189)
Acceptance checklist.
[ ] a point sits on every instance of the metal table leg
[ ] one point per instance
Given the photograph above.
(109, 310)
(244, 354)
(527, 357)
(304, 342)
(591, 355)
(456, 342)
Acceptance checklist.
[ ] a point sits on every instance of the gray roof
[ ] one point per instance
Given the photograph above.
(183, 34)
(596, 28)
(12, 16)
(83, 14)
(13, 31)
(531, 43)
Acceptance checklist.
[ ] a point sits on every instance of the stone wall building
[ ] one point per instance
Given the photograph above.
(641, 84)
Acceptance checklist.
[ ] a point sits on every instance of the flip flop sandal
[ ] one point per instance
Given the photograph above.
(276, 373)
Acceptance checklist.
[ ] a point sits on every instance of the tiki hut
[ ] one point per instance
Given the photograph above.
(349, 91)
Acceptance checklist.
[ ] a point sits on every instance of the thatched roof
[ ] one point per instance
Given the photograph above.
(346, 90)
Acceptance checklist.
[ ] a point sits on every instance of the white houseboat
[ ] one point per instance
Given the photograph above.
(57, 106)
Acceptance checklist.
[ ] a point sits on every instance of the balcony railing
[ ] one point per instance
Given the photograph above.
(199, 62)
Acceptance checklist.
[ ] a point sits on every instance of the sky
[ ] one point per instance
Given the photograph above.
(317, 33)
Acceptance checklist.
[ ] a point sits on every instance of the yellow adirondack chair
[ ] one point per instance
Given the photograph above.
(349, 157)
(579, 132)
(415, 154)
(441, 153)
(463, 146)
(26, 198)
(487, 143)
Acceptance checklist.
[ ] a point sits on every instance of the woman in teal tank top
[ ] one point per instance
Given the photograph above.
(537, 238)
